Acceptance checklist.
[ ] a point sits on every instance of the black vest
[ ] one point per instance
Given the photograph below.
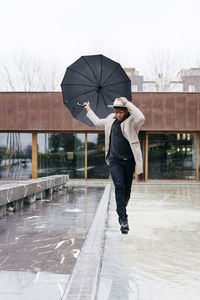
(119, 145)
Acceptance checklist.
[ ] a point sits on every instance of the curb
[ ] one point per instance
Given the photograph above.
(84, 279)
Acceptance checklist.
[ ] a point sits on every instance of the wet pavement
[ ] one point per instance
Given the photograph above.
(40, 244)
(84, 279)
(54, 248)
(159, 259)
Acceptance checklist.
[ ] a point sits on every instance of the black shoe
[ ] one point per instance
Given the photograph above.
(124, 227)
(11, 206)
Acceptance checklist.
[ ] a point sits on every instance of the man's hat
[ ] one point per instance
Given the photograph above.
(117, 103)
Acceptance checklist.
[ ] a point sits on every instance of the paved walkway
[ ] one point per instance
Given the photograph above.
(159, 259)
(40, 244)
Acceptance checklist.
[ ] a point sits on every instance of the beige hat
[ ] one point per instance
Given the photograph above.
(117, 103)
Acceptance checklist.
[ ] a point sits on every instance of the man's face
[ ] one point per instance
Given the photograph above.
(120, 114)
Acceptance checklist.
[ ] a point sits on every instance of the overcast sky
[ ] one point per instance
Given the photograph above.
(128, 31)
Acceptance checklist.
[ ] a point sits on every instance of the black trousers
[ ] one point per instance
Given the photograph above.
(122, 175)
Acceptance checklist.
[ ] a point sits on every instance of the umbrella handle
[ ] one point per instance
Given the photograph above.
(80, 104)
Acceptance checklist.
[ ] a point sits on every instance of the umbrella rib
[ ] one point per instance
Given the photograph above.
(104, 100)
(81, 75)
(116, 83)
(113, 91)
(90, 69)
(111, 73)
(108, 96)
(101, 71)
(82, 94)
(79, 84)
(96, 103)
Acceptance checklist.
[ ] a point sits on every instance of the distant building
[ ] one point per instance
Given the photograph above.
(149, 86)
(176, 86)
(188, 81)
(138, 84)
(136, 79)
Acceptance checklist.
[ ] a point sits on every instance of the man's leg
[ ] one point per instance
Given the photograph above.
(117, 173)
(129, 170)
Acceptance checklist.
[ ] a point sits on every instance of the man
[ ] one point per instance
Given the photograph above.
(122, 150)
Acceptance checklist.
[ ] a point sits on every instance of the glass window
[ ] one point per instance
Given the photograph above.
(172, 156)
(61, 153)
(149, 86)
(134, 88)
(97, 167)
(175, 86)
(16, 155)
(191, 88)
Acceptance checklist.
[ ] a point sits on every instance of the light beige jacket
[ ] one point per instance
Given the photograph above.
(130, 128)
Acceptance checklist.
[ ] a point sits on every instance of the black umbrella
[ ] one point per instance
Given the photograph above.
(96, 79)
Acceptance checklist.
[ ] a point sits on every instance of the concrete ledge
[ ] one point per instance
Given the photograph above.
(29, 190)
(84, 279)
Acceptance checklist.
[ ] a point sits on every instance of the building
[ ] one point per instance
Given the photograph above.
(136, 79)
(39, 137)
(138, 84)
(188, 81)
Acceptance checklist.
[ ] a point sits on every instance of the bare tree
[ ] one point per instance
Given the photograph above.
(26, 73)
(162, 69)
(50, 76)
(6, 78)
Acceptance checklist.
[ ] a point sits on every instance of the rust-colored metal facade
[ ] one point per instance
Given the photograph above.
(45, 111)
(169, 111)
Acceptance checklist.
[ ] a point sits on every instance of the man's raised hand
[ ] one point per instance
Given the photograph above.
(87, 105)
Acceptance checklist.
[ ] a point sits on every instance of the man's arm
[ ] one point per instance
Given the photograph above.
(93, 118)
(135, 112)
(138, 120)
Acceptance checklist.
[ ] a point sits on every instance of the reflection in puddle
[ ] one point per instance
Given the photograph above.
(73, 210)
(39, 245)
(159, 259)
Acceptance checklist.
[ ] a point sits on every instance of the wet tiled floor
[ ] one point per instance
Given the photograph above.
(40, 244)
(159, 259)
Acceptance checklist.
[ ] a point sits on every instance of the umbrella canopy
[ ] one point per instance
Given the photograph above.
(96, 79)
